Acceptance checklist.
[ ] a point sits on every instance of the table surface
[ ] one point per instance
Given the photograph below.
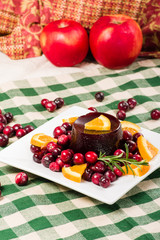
(46, 210)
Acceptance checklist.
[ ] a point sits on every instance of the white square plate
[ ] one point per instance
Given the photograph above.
(18, 155)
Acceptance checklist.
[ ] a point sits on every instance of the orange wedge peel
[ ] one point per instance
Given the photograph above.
(100, 123)
(129, 126)
(138, 171)
(74, 173)
(70, 120)
(41, 140)
(146, 149)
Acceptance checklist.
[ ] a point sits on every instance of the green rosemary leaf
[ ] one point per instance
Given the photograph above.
(131, 169)
(127, 150)
(126, 166)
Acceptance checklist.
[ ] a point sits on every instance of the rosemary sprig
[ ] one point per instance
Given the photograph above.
(112, 161)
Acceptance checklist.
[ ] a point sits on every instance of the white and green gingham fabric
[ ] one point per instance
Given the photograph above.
(45, 210)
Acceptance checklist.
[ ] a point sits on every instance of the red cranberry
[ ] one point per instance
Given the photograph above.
(9, 117)
(3, 119)
(127, 135)
(99, 167)
(93, 109)
(29, 128)
(17, 126)
(132, 103)
(117, 172)
(78, 158)
(121, 115)
(66, 155)
(56, 152)
(111, 175)
(91, 157)
(9, 131)
(50, 106)
(3, 140)
(60, 162)
(118, 152)
(47, 159)
(59, 102)
(130, 155)
(99, 96)
(96, 178)
(137, 157)
(87, 174)
(0, 111)
(21, 179)
(136, 136)
(63, 140)
(35, 149)
(131, 145)
(67, 165)
(104, 181)
(51, 146)
(2, 126)
(20, 133)
(44, 101)
(37, 156)
(67, 126)
(58, 131)
(54, 166)
(155, 114)
(123, 105)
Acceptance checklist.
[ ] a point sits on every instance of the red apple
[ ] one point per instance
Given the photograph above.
(115, 41)
(64, 42)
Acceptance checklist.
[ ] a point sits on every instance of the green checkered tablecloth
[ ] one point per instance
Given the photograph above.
(45, 210)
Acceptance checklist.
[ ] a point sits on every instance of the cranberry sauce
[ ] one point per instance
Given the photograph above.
(98, 141)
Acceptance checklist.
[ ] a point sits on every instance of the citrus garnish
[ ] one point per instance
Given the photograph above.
(70, 120)
(131, 127)
(41, 140)
(100, 123)
(75, 172)
(137, 171)
(146, 149)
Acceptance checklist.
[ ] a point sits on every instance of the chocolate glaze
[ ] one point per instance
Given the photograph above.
(98, 141)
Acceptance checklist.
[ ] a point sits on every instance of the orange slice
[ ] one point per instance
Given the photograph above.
(41, 140)
(131, 127)
(146, 149)
(75, 172)
(70, 120)
(101, 123)
(137, 171)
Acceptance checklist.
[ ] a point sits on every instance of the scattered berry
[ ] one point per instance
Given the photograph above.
(17, 126)
(87, 174)
(60, 162)
(66, 155)
(59, 102)
(63, 140)
(93, 109)
(44, 101)
(20, 133)
(9, 117)
(132, 103)
(136, 135)
(127, 135)
(50, 106)
(155, 114)
(118, 152)
(35, 149)
(123, 105)
(9, 131)
(47, 159)
(131, 146)
(28, 128)
(78, 158)
(91, 157)
(99, 96)
(104, 181)
(117, 171)
(137, 157)
(3, 119)
(111, 175)
(54, 166)
(56, 152)
(96, 178)
(67, 126)
(59, 131)
(37, 156)
(21, 179)
(2, 126)
(51, 146)
(99, 167)
(121, 115)
(3, 140)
